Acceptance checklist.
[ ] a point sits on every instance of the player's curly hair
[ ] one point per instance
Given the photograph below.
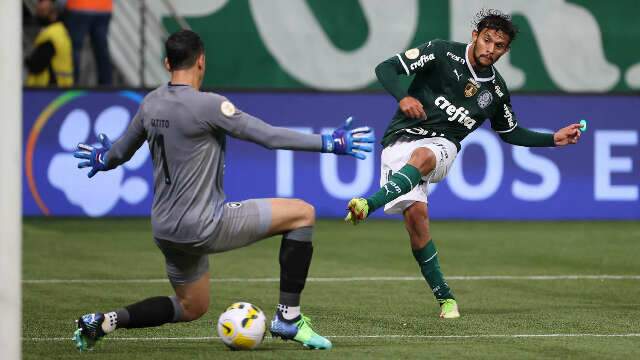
(496, 20)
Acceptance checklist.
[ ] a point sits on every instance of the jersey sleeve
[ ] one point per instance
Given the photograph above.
(418, 59)
(244, 126)
(504, 120)
(123, 149)
(218, 113)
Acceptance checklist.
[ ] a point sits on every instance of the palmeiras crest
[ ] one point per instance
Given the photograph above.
(484, 99)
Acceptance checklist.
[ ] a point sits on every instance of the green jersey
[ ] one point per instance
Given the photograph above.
(456, 98)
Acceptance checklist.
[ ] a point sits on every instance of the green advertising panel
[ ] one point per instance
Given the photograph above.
(568, 46)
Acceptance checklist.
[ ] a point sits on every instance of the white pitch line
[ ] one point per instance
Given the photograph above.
(490, 336)
(344, 279)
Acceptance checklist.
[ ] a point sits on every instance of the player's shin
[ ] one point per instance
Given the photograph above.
(398, 184)
(296, 251)
(289, 323)
(427, 259)
(154, 311)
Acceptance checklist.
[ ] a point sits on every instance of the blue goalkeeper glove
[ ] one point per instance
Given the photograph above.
(96, 157)
(348, 141)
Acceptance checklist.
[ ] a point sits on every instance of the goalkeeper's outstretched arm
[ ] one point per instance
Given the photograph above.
(346, 140)
(123, 149)
(108, 156)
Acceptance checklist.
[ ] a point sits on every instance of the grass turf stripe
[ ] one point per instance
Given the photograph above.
(348, 279)
(480, 336)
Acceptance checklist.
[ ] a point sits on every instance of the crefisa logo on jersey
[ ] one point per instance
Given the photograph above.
(421, 61)
(459, 114)
(52, 177)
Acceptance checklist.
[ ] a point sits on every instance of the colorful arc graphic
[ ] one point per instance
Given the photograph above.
(41, 121)
(33, 139)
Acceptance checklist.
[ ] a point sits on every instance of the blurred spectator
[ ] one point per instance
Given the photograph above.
(50, 62)
(92, 16)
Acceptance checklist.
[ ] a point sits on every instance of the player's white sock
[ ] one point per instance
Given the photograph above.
(110, 322)
(289, 312)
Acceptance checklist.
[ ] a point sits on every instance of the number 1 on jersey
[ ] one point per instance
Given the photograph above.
(165, 165)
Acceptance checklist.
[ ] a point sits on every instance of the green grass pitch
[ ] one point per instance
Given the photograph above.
(511, 280)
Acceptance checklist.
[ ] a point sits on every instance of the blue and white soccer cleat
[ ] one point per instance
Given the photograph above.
(89, 331)
(298, 330)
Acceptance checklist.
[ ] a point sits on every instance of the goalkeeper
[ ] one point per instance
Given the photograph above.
(186, 131)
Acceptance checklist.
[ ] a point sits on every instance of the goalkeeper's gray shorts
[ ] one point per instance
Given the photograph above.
(242, 223)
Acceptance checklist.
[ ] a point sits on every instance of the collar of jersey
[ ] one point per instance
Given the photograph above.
(475, 77)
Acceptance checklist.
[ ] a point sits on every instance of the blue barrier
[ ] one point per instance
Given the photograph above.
(597, 179)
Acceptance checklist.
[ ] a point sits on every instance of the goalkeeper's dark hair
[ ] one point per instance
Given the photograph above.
(182, 49)
(495, 20)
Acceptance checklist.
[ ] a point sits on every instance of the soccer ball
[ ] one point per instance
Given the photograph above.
(242, 326)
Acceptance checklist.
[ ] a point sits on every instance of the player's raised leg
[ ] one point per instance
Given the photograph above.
(416, 221)
(294, 219)
(420, 164)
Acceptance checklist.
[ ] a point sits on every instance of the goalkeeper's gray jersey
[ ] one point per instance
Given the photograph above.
(185, 130)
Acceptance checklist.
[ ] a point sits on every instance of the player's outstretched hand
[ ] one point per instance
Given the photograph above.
(349, 141)
(567, 135)
(96, 157)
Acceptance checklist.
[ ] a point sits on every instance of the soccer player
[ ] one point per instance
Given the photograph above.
(186, 131)
(454, 90)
